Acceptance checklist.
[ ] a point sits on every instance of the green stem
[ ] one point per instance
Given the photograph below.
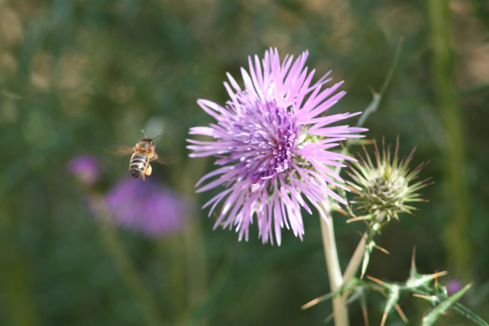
(194, 240)
(457, 242)
(359, 252)
(15, 294)
(377, 97)
(327, 230)
(128, 273)
(356, 259)
(193, 246)
(340, 308)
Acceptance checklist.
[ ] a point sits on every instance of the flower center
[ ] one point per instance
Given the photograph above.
(387, 189)
(266, 141)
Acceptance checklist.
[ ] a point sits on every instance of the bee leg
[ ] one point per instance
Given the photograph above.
(149, 169)
(154, 157)
(143, 177)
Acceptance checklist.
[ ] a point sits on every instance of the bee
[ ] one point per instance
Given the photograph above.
(142, 154)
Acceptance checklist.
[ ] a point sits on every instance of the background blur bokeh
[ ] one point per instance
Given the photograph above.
(83, 77)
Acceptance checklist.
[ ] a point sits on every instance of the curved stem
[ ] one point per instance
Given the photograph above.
(336, 279)
(340, 308)
(127, 270)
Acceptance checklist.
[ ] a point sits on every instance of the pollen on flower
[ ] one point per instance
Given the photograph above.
(264, 143)
(273, 143)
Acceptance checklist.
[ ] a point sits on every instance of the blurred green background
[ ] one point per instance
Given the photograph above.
(81, 77)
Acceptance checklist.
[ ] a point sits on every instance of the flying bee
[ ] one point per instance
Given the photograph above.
(142, 154)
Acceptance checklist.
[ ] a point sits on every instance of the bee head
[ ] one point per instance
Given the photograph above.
(147, 141)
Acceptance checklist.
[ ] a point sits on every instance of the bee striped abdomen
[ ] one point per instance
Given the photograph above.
(138, 165)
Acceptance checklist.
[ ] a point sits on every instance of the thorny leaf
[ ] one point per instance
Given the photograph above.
(435, 313)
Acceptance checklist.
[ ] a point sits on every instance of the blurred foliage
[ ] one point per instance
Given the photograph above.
(82, 77)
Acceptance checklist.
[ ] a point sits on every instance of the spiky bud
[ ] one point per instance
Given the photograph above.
(384, 186)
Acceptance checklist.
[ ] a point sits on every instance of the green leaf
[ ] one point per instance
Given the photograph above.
(392, 300)
(469, 314)
(435, 313)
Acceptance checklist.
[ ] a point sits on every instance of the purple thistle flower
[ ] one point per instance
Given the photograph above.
(146, 207)
(273, 144)
(85, 168)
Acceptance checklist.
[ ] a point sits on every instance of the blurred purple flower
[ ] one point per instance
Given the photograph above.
(272, 142)
(146, 207)
(86, 168)
(453, 286)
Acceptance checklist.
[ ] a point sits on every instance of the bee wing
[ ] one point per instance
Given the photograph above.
(122, 150)
(161, 160)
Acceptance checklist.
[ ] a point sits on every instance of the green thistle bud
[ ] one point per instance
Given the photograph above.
(385, 187)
